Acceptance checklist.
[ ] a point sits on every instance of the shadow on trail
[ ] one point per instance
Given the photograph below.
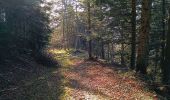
(29, 79)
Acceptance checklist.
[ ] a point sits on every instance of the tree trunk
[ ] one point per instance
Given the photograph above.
(122, 54)
(143, 51)
(102, 51)
(89, 31)
(76, 37)
(113, 53)
(64, 45)
(133, 41)
(108, 51)
(166, 73)
(163, 36)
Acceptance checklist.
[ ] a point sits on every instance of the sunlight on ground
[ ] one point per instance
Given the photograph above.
(81, 95)
(86, 80)
(57, 51)
(70, 93)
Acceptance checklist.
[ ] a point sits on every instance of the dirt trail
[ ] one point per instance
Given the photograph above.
(87, 80)
(78, 79)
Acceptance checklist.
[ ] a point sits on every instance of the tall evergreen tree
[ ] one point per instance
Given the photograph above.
(163, 37)
(143, 50)
(166, 73)
(133, 36)
(89, 29)
(25, 25)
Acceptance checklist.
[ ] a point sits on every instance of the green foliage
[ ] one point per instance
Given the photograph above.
(111, 31)
(24, 27)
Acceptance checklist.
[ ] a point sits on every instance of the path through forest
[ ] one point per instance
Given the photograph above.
(88, 80)
(78, 79)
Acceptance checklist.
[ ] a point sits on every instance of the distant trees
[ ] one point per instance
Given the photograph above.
(130, 33)
(24, 27)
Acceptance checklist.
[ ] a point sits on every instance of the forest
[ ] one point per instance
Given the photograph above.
(84, 49)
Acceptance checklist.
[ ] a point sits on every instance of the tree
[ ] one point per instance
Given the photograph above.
(26, 27)
(163, 38)
(143, 50)
(166, 69)
(133, 36)
(89, 29)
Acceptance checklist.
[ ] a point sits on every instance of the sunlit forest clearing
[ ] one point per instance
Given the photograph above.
(84, 49)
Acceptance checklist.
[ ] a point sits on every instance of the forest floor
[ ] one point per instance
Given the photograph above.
(80, 79)
(94, 80)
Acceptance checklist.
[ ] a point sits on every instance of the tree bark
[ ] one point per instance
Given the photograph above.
(89, 30)
(102, 51)
(64, 11)
(163, 36)
(166, 73)
(133, 41)
(143, 50)
(122, 54)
